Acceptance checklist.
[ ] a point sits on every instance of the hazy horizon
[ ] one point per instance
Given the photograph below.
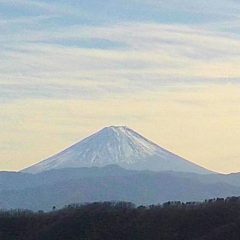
(168, 70)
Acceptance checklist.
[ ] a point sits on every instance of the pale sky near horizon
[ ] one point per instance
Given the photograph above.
(167, 69)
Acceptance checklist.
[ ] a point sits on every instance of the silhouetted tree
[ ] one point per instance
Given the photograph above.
(215, 219)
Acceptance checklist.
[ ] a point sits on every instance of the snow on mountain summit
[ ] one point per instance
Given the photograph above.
(118, 145)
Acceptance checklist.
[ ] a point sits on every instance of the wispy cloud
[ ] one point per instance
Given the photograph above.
(166, 54)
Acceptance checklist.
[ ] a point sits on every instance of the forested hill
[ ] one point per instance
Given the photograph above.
(217, 219)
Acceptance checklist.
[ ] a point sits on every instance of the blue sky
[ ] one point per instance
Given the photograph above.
(35, 32)
(59, 55)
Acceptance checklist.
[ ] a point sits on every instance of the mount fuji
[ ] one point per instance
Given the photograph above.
(117, 145)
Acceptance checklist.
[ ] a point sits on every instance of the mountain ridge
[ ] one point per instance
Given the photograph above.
(60, 187)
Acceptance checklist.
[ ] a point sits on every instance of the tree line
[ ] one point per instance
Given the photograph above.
(214, 219)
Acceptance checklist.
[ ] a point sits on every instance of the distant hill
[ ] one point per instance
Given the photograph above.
(111, 183)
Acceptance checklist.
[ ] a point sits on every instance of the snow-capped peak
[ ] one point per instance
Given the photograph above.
(118, 145)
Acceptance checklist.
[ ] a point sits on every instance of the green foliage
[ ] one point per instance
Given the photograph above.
(215, 219)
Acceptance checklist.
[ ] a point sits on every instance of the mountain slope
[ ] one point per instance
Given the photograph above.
(117, 145)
